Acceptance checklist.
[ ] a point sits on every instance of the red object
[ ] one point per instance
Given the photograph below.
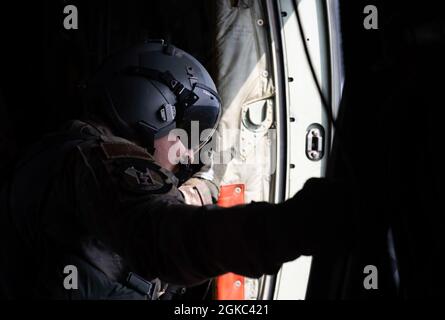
(230, 286)
(231, 195)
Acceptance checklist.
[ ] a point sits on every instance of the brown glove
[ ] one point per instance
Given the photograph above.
(203, 187)
(199, 192)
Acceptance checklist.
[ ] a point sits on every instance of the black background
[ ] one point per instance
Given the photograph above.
(392, 121)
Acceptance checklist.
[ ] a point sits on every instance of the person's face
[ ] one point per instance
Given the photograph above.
(168, 152)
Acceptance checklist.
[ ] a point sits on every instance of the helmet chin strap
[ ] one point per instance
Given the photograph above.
(185, 171)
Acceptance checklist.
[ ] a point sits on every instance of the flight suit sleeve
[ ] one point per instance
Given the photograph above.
(148, 224)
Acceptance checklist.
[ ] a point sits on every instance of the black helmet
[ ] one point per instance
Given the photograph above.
(152, 88)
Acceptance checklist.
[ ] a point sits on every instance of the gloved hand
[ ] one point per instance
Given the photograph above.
(203, 187)
(322, 216)
(211, 174)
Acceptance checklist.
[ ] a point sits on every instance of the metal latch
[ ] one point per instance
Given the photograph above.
(315, 142)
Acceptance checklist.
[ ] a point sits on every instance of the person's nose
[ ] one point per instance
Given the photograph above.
(185, 153)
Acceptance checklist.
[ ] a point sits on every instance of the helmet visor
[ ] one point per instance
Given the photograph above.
(200, 120)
